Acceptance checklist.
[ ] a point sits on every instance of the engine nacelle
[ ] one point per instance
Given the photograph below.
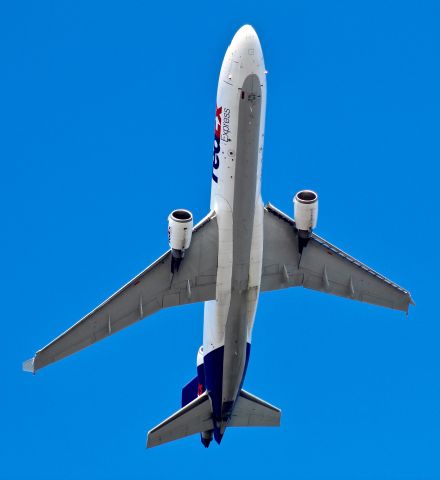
(305, 205)
(180, 225)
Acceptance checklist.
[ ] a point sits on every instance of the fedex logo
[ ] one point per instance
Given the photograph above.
(218, 128)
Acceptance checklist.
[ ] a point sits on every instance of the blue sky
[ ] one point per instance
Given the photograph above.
(107, 115)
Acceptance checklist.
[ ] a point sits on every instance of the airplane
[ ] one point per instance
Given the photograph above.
(241, 248)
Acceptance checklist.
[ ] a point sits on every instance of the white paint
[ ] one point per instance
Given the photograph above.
(243, 57)
(305, 205)
(180, 225)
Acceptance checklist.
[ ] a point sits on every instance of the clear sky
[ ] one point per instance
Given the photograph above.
(107, 116)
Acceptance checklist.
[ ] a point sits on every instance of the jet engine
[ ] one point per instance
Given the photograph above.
(180, 225)
(305, 206)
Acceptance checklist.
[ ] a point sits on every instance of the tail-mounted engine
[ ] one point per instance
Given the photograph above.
(305, 205)
(180, 225)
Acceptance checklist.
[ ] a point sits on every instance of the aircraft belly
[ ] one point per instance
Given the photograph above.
(236, 199)
(243, 221)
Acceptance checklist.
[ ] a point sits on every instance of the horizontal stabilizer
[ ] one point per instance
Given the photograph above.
(193, 418)
(251, 411)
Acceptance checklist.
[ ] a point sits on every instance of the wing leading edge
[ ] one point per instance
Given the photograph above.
(322, 267)
(153, 289)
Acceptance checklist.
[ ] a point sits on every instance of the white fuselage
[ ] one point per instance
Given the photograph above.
(236, 199)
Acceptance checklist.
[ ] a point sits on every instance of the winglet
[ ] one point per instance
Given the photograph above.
(28, 365)
(410, 302)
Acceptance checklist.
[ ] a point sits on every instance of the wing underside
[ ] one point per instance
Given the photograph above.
(153, 289)
(321, 266)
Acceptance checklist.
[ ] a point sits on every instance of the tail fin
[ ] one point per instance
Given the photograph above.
(190, 391)
(193, 418)
(251, 411)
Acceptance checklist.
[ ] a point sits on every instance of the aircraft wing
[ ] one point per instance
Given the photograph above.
(153, 289)
(321, 266)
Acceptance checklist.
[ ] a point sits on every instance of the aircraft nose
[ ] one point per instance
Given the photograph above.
(243, 57)
(245, 49)
(246, 31)
(246, 39)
